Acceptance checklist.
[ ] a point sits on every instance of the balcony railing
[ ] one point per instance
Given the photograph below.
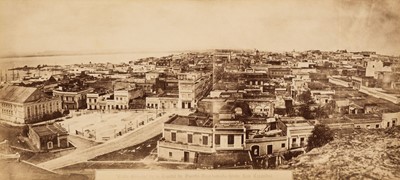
(198, 148)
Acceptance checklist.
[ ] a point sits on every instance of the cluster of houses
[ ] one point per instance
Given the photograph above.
(245, 104)
(248, 110)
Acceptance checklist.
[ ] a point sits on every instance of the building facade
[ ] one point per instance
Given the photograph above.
(72, 99)
(26, 104)
(48, 136)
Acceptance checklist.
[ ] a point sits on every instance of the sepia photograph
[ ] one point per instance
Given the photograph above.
(199, 89)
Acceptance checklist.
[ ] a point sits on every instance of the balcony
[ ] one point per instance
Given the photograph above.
(229, 147)
(196, 148)
(297, 145)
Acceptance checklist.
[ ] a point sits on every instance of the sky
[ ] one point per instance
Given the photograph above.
(87, 26)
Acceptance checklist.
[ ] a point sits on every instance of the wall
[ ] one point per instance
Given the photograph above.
(388, 118)
(264, 142)
(177, 154)
(34, 137)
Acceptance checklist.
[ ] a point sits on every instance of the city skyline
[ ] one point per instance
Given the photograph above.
(137, 26)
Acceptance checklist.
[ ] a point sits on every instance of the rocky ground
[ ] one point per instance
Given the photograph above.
(354, 154)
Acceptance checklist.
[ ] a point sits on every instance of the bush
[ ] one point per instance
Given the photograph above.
(57, 114)
(66, 112)
(320, 136)
(46, 117)
(25, 131)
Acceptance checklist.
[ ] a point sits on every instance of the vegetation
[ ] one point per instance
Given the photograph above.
(305, 111)
(321, 135)
(305, 97)
(66, 112)
(325, 111)
(53, 115)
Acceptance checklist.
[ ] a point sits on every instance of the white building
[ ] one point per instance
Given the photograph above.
(376, 66)
(26, 104)
(118, 100)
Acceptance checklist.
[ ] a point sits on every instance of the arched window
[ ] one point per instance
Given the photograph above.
(255, 150)
(50, 145)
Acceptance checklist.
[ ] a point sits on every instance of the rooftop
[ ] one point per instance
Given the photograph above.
(49, 129)
(191, 121)
(302, 124)
(17, 94)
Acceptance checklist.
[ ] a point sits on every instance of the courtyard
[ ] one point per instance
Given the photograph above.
(102, 126)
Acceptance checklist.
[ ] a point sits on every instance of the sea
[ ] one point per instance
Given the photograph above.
(8, 63)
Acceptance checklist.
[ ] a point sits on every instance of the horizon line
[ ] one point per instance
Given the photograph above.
(72, 53)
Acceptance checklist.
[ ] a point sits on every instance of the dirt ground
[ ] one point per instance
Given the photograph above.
(133, 153)
(354, 154)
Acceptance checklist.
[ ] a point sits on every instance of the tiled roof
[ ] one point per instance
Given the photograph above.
(44, 130)
(17, 94)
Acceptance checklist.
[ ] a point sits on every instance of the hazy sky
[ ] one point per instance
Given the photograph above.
(133, 25)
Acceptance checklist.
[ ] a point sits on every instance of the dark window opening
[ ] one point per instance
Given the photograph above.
(231, 139)
(190, 138)
(205, 140)
(217, 139)
(173, 136)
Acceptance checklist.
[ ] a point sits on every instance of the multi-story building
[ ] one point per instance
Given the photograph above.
(118, 100)
(72, 99)
(192, 87)
(322, 97)
(376, 66)
(266, 141)
(278, 72)
(184, 138)
(26, 104)
(297, 130)
(165, 101)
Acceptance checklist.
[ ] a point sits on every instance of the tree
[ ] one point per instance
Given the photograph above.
(305, 111)
(321, 113)
(305, 97)
(321, 135)
(326, 110)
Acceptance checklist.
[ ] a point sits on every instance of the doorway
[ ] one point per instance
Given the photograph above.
(269, 149)
(255, 150)
(186, 156)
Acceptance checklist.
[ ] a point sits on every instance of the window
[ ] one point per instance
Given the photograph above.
(377, 126)
(302, 139)
(231, 139)
(205, 140)
(49, 145)
(293, 140)
(217, 139)
(173, 136)
(283, 145)
(170, 154)
(190, 138)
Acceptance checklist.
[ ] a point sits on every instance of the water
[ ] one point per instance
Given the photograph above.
(8, 63)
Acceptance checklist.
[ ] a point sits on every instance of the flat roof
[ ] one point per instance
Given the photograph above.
(302, 124)
(191, 121)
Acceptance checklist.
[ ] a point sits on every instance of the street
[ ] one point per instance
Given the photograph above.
(132, 138)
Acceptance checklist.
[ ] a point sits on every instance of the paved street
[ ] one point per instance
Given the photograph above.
(132, 138)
